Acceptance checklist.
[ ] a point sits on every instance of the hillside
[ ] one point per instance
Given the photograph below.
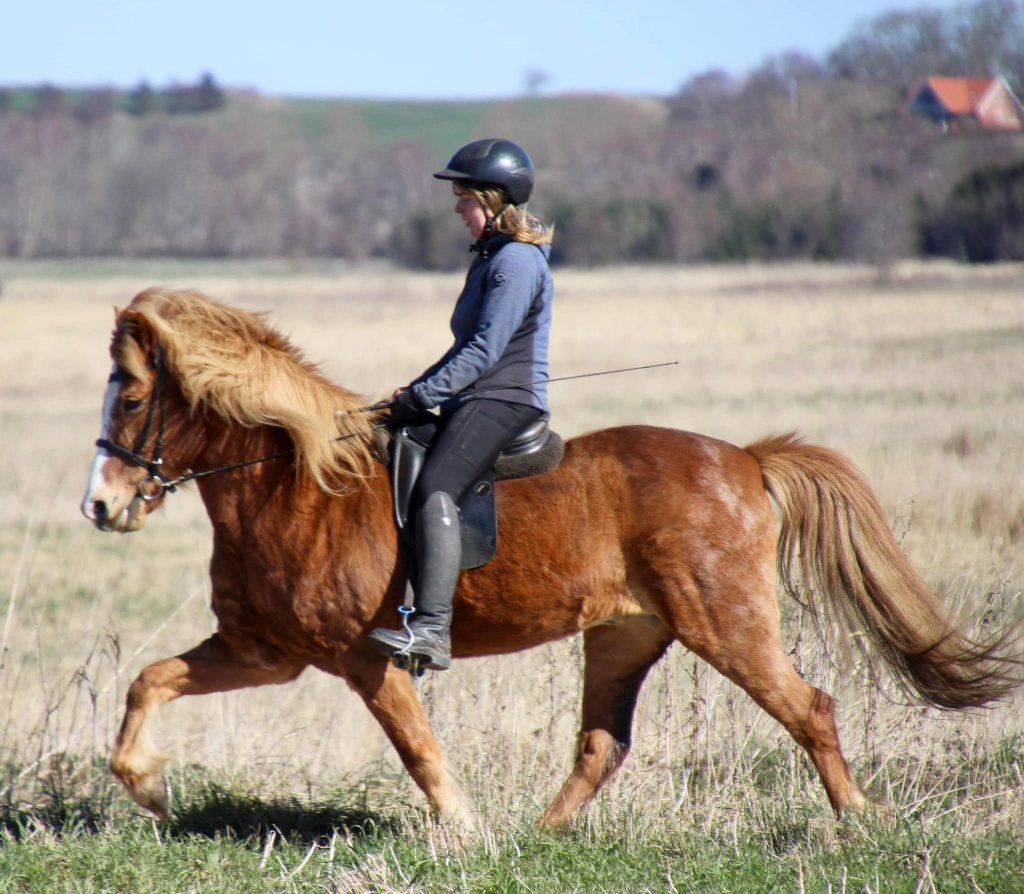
(263, 176)
(799, 159)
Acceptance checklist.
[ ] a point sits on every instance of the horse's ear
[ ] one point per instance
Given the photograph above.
(143, 333)
(134, 326)
(118, 312)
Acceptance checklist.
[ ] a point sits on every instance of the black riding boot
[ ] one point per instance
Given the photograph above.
(438, 560)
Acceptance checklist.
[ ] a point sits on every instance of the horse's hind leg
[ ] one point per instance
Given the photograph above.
(617, 659)
(735, 628)
(212, 666)
(806, 712)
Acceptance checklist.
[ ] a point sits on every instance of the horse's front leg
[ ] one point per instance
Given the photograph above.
(391, 698)
(212, 666)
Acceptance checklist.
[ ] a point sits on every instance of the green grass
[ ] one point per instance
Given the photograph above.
(224, 836)
(311, 116)
(437, 125)
(440, 126)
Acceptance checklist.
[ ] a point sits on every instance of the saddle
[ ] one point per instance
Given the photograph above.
(535, 450)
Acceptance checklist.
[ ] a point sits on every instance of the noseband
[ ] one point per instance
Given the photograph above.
(155, 483)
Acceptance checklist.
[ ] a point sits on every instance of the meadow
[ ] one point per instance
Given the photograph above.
(914, 370)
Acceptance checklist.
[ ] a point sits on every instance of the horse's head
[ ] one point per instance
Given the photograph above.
(214, 385)
(129, 473)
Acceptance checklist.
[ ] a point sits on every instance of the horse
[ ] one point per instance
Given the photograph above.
(643, 536)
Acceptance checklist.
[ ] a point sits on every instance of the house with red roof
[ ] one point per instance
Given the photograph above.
(956, 103)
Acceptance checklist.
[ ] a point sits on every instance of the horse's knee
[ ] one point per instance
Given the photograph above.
(152, 685)
(137, 697)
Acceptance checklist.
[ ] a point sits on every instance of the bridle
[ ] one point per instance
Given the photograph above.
(156, 483)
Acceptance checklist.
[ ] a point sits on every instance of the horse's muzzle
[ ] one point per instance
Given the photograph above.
(121, 520)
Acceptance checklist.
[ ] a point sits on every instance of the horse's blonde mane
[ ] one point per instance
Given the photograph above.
(234, 363)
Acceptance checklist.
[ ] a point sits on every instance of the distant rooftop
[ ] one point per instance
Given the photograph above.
(986, 102)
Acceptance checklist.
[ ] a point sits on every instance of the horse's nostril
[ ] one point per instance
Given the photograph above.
(99, 511)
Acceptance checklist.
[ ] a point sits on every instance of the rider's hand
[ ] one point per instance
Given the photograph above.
(404, 409)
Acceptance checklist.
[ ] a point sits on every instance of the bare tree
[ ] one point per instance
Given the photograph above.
(535, 79)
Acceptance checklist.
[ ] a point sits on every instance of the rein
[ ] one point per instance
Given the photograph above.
(172, 485)
(155, 484)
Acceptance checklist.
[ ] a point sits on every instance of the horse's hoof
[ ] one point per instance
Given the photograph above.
(416, 665)
(873, 813)
(153, 793)
(880, 810)
(459, 831)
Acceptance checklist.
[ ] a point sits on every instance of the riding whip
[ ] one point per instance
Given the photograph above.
(384, 404)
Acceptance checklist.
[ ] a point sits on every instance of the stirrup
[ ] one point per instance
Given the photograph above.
(423, 653)
(403, 658)
(389, 642)
(406, 612)
(416, 665)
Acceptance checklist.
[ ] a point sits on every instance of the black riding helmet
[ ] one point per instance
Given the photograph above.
(495, 162)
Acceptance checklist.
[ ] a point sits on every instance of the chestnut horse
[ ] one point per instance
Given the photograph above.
(641, 537)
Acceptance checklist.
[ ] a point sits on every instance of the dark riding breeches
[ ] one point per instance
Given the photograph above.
(467, 443)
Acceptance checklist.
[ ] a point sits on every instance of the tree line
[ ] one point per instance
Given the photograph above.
(800, 158)
(99, 103)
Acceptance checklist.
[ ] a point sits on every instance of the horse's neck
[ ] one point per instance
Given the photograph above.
(284, 546)
(268, 498)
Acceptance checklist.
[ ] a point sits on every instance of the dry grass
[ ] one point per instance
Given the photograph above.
(915, 371)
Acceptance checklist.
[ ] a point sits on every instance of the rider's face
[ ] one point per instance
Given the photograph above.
(469, 208)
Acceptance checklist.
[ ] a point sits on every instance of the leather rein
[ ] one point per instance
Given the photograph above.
(156, 483)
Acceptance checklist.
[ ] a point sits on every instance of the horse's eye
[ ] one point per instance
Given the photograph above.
(132, 404)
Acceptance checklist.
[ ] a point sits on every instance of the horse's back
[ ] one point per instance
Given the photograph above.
(662, 460)
(625, 488)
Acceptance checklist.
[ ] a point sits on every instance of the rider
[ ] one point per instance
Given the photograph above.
(489, 385)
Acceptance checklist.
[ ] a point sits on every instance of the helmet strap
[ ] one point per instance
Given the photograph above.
(480, 246)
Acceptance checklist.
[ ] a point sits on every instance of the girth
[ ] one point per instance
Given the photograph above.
(535, 450)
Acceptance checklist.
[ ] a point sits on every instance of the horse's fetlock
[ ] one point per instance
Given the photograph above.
(131, 768)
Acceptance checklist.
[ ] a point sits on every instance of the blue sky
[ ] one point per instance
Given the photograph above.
(406, 49)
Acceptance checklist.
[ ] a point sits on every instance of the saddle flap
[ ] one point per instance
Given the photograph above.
(478, 515)
(407, 458)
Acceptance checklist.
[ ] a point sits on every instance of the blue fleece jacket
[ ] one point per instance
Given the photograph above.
(501, 324)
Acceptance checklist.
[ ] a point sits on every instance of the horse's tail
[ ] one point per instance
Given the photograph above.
(836, 537)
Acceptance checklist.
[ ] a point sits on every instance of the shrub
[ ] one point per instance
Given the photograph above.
(982, 219)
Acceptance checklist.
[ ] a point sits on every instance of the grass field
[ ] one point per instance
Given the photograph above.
(915, 371)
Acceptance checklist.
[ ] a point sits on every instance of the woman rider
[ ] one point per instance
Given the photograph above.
(489, 385)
